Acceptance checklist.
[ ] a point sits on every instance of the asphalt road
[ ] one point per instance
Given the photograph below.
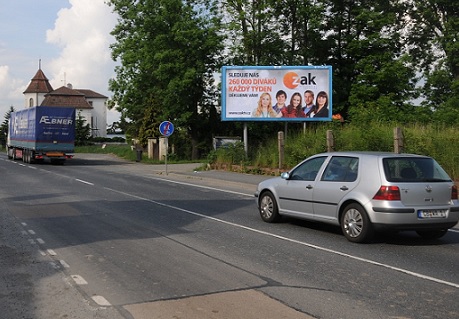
(103, 238)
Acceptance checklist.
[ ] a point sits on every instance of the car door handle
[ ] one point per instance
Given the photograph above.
(344, 188)
(309, 186)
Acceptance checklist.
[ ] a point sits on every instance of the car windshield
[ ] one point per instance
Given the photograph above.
(414, 169)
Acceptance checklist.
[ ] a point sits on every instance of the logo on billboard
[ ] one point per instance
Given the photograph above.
(292, 80)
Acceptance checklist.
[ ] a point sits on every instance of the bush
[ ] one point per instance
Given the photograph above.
(229, 154)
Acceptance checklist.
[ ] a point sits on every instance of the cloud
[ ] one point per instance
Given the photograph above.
(9, 87)
(83, 34)
(76, 50)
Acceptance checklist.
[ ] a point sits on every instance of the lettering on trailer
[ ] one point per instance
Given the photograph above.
(58, 121)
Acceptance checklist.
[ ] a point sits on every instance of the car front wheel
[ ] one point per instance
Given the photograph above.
(355, 224)
(267, 206)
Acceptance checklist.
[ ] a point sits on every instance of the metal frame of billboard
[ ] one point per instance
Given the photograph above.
(242, 87)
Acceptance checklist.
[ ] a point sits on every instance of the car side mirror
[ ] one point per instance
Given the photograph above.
(285, 175)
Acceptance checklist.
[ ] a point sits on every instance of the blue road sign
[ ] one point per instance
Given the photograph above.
(166, 128)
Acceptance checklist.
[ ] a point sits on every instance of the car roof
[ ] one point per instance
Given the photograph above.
(370, 153)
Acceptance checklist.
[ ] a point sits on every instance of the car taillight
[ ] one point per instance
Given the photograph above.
(388, 193)
(454, 192)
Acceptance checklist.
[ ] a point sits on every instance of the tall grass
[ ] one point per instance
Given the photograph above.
(439, 141)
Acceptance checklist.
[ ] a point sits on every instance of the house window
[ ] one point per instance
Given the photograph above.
(30, 102)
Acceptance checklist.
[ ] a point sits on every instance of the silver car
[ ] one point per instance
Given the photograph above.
(364, 192)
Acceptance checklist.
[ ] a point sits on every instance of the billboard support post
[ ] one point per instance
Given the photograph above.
(246, 142)
(280, 139)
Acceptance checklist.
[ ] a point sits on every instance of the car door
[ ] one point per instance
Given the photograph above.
(295, 193)
(339, 177)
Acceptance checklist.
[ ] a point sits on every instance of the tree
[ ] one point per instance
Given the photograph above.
(4, 126)
(82, 130)
(299, 22)
(253, 33)
(169, 51)
(432, 28)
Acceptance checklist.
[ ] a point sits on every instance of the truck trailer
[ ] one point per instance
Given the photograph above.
(41, 133)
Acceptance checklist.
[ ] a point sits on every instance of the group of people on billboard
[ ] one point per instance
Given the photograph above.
(295, 108)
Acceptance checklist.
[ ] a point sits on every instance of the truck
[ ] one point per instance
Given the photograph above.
(41, 133)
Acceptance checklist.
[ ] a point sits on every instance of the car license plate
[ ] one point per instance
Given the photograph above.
(432, 213)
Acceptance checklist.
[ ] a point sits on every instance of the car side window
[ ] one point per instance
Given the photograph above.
(341, 169)
(307, 171)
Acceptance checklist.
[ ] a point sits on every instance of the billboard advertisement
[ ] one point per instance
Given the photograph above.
(276, 93)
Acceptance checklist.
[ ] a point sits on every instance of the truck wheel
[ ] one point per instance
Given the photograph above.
(32, 157)
(9, 153)
(14, 154)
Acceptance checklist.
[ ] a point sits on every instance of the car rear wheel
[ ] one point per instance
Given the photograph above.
(432, 234)
(267, 206)
(355, 224)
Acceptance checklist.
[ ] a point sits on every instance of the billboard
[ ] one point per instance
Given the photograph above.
(276, 93)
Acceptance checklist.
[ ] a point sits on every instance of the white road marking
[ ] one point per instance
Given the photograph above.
(84, 182)
(64, 264)
(331, 251)
(31, 232)
(101, 301)
(79, 280)
(51, 252)
(40, 241)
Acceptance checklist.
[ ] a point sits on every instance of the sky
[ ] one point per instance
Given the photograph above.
(71, 38)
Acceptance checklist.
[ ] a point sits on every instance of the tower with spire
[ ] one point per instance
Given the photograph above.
(90, 105)
(39, 86)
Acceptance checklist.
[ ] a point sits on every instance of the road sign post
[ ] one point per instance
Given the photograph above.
(166, 129)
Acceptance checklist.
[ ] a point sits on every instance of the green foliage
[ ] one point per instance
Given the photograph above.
(82, 131)
(168, 51)
(379, 51)
(230, 154)
(4, 126)
(438, 141)
(433, 42)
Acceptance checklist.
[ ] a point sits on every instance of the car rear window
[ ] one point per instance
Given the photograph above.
(413, 169)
